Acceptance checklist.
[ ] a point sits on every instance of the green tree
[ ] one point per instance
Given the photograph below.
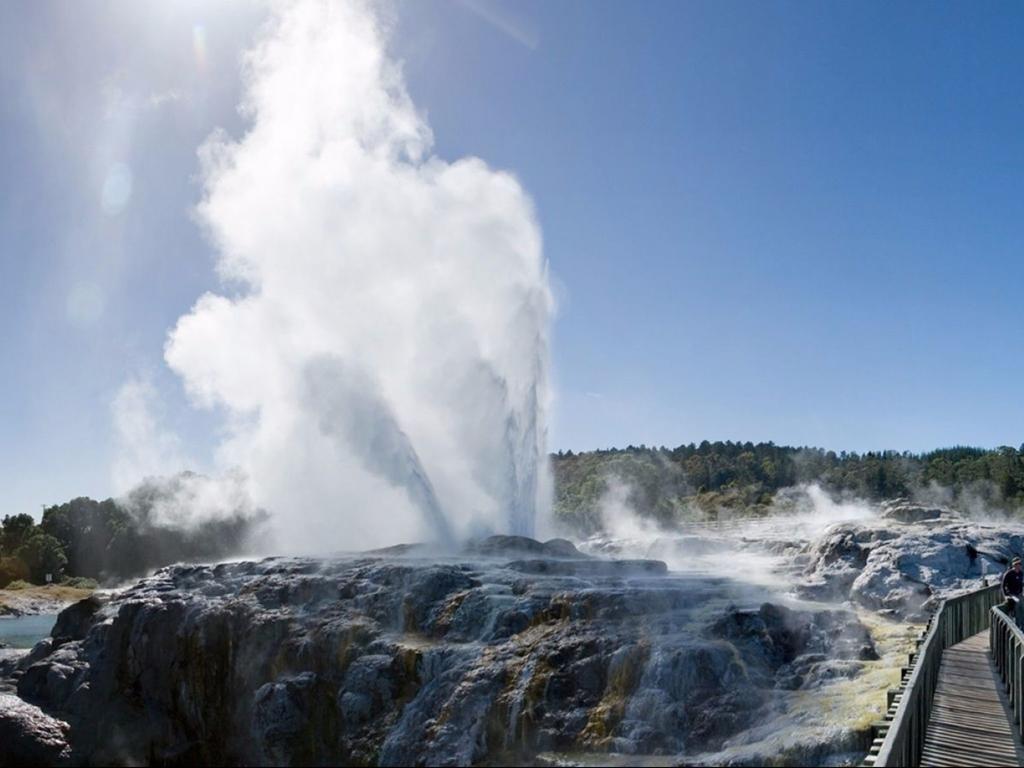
(12, 569)
(15, 531)
(42, 554)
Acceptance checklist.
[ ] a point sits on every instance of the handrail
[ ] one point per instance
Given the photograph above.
(1006, 642)
(956, 619)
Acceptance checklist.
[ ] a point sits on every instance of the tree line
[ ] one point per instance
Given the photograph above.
(704, 479)
(115, 539)
(111, 540)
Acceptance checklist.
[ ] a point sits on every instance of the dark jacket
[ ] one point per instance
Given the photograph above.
(1013, 583)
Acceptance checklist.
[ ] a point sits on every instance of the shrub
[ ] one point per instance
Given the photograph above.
(43, 554)
(12, 569)
(79, 582)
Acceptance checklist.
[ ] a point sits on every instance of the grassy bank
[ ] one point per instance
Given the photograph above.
(40, 599)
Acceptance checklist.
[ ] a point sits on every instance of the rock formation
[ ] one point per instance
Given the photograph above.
(512, 649)
(30, 737)
(901, 562)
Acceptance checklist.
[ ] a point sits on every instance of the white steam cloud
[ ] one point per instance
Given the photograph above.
(382, 355)
(144, 448)
(756, 551)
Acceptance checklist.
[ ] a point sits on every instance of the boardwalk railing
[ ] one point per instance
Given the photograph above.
(956, 619)
(1006, 642)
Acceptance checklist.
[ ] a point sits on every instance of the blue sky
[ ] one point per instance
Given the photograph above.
(772, 221)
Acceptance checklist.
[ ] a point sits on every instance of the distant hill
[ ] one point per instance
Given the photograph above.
(705, 480)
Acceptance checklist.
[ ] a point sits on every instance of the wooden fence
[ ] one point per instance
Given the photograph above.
(956, 619)
(1006, 641)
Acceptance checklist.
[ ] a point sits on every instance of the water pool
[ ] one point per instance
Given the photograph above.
(26, 631)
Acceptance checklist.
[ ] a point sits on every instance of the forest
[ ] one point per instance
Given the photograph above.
(707, 480)
(115, 539)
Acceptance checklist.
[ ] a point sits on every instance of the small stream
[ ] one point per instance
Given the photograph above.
(26, 631)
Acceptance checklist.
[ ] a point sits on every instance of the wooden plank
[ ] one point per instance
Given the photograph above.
(944, 760)
(969, 723)
(966, 760)
(967, 705)
(982, 706)
(975, 748)
(973, 738)
(955, 719)
(991, 718)
(977, 724)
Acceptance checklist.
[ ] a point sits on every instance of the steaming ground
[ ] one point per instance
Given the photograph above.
(766, 552)
(883, 564)
(508, 652)
(768, 641)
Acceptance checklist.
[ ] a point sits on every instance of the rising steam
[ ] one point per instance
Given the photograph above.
(381, 357)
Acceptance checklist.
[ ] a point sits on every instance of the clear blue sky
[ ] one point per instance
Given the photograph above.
(798, 222)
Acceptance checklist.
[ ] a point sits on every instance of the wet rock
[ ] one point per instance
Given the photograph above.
(285, 721)
(823, 672)
(394, 660)
(75, 621)
(696, 695)
(561, 548)
(905, 511)
(397, 550)
(426, 588)
(517, 546)
(777, 742)
(868, 652)
(30, 737)
(368, 688)
(52, 681)
(39, 651)
(796, 649)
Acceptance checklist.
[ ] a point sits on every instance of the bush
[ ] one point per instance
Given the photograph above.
(43, 554)
(19, 584)
(12, 569)
(79, 582)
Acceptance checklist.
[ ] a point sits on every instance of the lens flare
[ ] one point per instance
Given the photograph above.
(85, 304)
(117, 189)
(199, 45)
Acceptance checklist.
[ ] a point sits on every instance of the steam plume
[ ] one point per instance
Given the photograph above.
(383, 361)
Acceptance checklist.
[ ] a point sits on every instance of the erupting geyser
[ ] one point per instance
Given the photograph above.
(381, 357)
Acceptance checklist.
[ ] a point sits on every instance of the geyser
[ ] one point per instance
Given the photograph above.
(380, 351)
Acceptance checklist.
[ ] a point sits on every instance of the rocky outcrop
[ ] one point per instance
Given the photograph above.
(508, 546)
(30, 737)
(902, 562)
(777, 742)
(75, 622)
(512, 650)
(906, 511)
(791, 649)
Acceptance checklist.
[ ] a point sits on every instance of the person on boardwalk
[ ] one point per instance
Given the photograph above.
(1013, 586)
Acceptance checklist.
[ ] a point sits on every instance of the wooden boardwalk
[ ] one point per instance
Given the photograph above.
(970, 722)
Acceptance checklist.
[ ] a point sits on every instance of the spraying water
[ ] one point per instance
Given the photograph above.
(381, 355)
